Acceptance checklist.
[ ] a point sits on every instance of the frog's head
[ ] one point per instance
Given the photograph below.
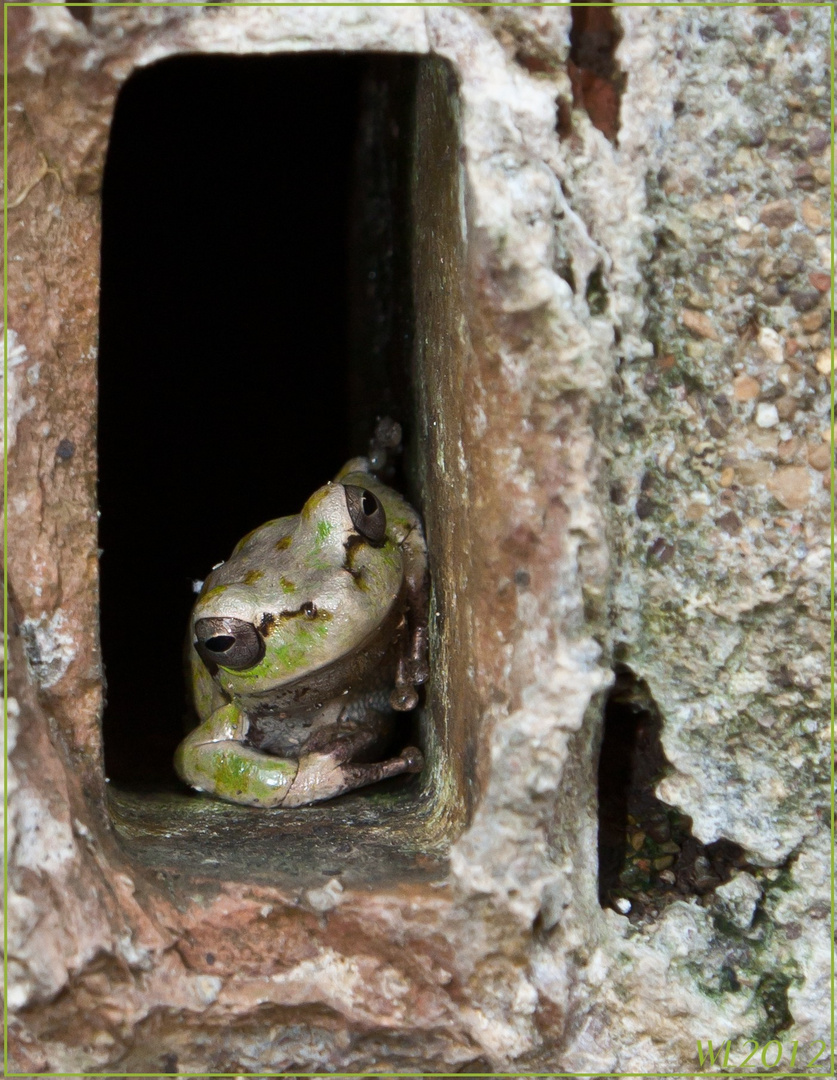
(311, 597)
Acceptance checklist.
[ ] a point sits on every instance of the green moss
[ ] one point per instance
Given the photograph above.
(219, 590)
(772, 991)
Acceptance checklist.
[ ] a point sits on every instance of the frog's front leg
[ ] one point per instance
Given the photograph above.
(213, 758)
(327, 768)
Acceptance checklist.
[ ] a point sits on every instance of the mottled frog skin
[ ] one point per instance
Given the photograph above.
(304, 643)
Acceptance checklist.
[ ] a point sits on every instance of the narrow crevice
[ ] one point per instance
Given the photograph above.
(596, 79)
(596, 292)
(648, 857)
(82, 13)
(772, 992)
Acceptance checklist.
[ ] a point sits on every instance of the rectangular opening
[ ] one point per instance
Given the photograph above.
(257, 314)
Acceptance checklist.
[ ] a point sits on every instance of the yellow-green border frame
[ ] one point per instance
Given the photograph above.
(418, 5)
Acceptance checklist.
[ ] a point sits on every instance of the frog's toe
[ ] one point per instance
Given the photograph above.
(403, 698)
(413, 759)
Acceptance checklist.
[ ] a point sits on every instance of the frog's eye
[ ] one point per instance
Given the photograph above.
(228, 643)
(367, 514)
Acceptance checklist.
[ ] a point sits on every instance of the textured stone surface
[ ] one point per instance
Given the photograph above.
(607, 478)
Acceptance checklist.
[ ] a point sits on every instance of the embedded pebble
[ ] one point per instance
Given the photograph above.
(805, 299)
(819, 457)
(730, 522)
(811, 321)
(771, 343)
(745, 388)
(811, 215)
(778, 214)
(738, 899)
(767, 415)
(790, 485)
(700, 323)
(753, 472)
(325, 898)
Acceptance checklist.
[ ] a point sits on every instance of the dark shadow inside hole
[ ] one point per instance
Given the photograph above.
(84, 14)
(647, 854)
(597, 82)
(596, 293)
(224, 363)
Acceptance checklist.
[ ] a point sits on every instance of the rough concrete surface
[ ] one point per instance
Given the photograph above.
(629, 467)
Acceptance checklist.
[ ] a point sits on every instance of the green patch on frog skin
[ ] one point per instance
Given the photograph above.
(235, 775)
(244, 539)
(314, 502)
(231, 773)
(389, 555)
(284, 543)
(315, 561)
(287, 585)
(294, 654)
(324, 530)
(219, 590)
(252, 576)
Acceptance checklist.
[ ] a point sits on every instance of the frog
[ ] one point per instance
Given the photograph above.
(304, 646)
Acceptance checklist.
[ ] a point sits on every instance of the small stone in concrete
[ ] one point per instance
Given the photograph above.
(745, 388)
(778, 214)
(767, 415)
(738, 899)
(790, 486)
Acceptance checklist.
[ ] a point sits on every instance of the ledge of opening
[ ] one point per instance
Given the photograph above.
(320, 307)
(378, 835)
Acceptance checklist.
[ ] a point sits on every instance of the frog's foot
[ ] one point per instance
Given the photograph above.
(384, 445)
(322, 776)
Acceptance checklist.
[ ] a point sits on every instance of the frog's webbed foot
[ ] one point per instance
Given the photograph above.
(384, 445)
(328, 766)
(322, 776)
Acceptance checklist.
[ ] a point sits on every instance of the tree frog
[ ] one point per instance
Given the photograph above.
(303, 644)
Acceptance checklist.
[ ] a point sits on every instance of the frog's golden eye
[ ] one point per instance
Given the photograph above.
(228, 643)
(367, 514)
